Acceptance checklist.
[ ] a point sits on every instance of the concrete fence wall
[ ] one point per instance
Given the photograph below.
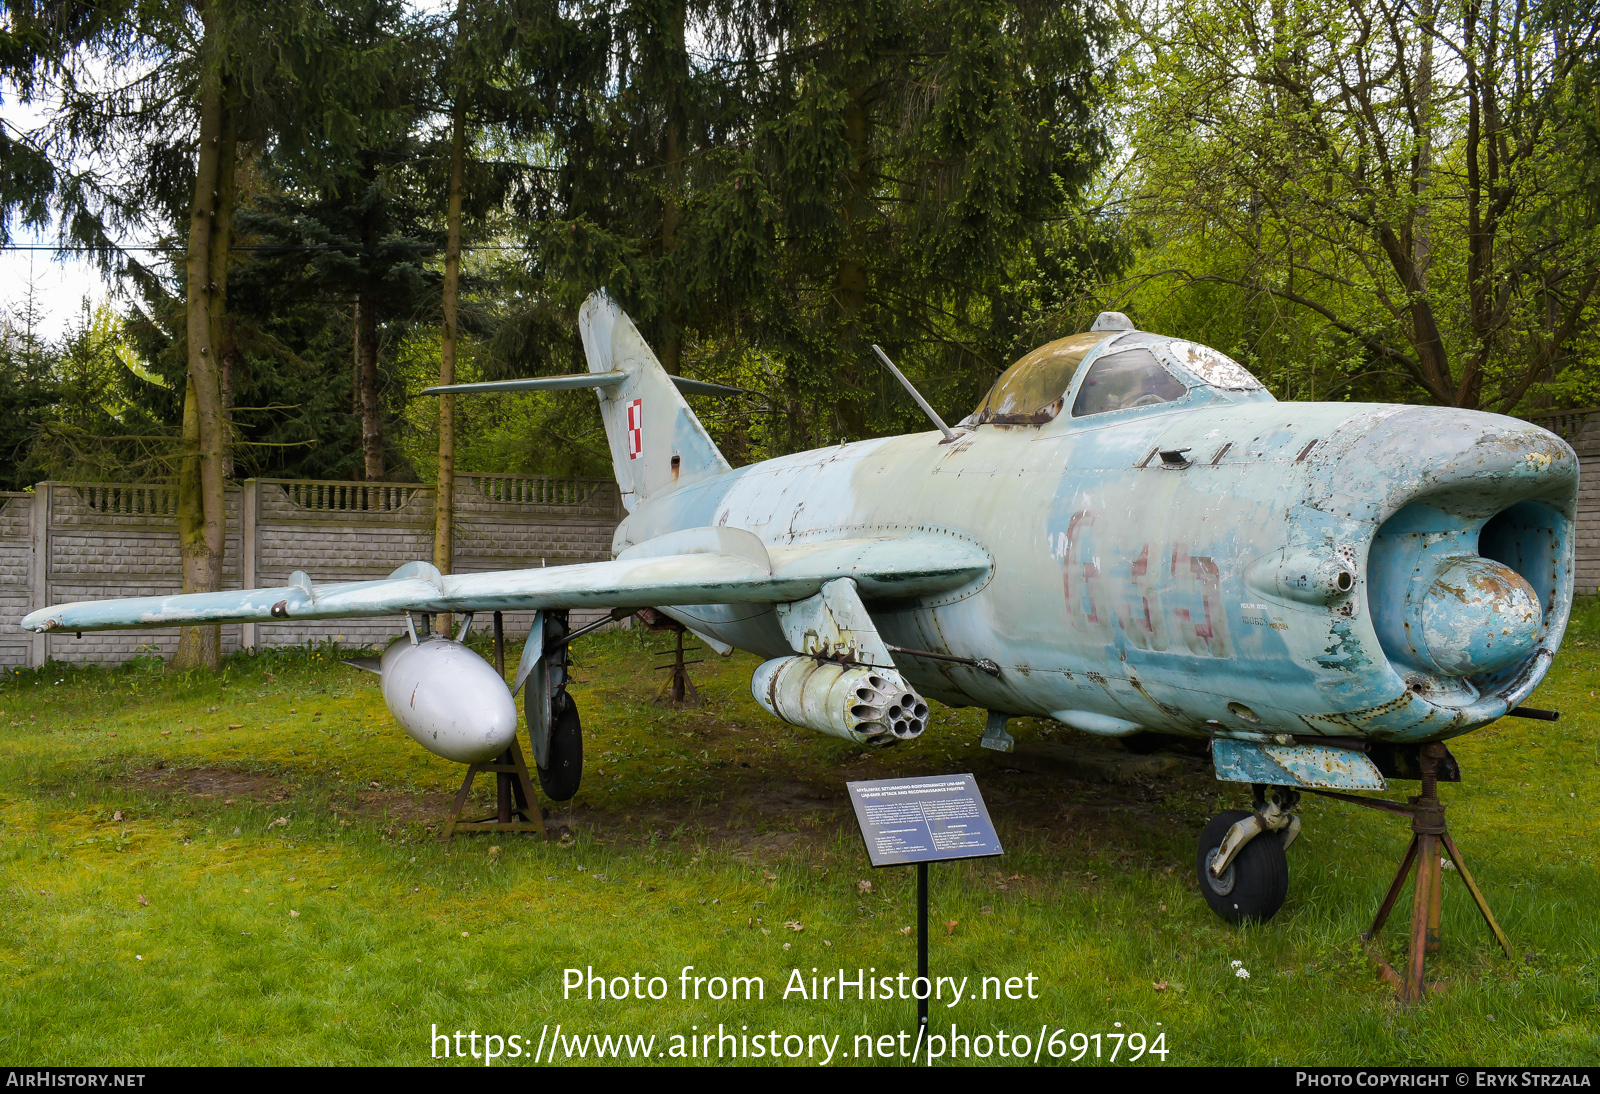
(81, 541)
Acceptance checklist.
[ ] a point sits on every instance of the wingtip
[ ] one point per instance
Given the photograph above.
(40, 621)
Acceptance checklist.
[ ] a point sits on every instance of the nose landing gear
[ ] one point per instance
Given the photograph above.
(1242, 859)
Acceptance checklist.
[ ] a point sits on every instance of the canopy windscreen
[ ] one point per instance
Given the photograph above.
(1031, 392)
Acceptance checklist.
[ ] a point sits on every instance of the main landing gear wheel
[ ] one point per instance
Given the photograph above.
(1254, 885)
(560, 778)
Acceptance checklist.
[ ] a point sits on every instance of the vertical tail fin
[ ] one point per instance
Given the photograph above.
(656, 441)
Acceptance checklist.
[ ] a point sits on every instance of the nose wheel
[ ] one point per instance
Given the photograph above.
(1255, 880)
(1243, 860)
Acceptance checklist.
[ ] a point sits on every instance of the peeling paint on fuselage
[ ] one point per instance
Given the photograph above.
(1118, 586)
(1344, 650)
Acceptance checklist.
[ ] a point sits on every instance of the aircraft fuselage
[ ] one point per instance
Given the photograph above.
(1127, 589)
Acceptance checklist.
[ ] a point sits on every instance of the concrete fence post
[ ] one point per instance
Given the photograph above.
(248, 547)
(39, 566)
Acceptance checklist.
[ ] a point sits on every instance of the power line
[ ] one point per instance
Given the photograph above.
(259, 248)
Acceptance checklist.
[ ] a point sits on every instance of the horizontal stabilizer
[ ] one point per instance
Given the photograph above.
(698, 566)
(580, 380)
(703, 387)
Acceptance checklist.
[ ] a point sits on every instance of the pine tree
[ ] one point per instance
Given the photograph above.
(832, 175)
(188, 86)
(501, 66)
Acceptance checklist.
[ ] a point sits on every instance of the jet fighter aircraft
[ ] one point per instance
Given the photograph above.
(1129, 535)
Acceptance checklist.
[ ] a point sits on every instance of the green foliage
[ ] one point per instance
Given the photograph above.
(85, 407)
(372, 238)
(552, 433)
(27, 389)
(830, 176)
(1432, 234)
(770, 189)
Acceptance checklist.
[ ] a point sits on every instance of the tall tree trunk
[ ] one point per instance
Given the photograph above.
(222, 343)
(201, 527)
(367, 376)
(367, 293)
(1480, 206)
(671, 218)
(444, 508)
(1422, 234)
(355, 357)
(673, 154)
(850, 285)
(229, 356)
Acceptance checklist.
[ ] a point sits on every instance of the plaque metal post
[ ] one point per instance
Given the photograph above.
(912, 822)
(922, 949)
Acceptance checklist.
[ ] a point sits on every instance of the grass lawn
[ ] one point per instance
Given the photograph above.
(241, 869)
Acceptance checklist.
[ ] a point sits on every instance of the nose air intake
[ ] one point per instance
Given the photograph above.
(1461, 615)
(1470, 579)
(1468, 522)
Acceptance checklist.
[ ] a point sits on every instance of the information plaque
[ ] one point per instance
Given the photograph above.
(932, 818)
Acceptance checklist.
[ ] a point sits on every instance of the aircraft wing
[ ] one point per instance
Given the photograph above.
(694, 566)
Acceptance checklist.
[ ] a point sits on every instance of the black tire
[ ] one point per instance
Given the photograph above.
(1256, 882)
(565, 771)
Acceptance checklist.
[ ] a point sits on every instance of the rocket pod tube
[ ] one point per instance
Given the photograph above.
(860, 703)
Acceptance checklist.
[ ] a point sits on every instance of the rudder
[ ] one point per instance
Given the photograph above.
(657, 443)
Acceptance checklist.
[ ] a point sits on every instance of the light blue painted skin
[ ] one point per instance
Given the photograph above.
(1308, 765)
(1117, 592)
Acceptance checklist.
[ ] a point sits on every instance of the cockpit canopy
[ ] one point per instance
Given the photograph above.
(1032, 391)
(1127, 369)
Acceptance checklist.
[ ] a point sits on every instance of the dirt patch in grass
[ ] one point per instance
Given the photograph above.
(207, 782)
(772, 818)
(399, 807)
(758, 819)
(389, 806)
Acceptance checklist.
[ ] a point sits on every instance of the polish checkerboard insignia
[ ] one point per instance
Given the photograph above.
(635, 429)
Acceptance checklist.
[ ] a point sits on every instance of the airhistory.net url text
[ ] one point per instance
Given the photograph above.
(554, 1045)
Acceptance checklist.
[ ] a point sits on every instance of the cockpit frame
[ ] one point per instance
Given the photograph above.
(1020, 396)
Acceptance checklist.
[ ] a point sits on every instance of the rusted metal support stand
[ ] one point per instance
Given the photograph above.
(514, 798)
(1428, 835)
(677, 688)
(513, 786)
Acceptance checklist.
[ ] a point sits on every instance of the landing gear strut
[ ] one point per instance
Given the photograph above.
(1242, 859)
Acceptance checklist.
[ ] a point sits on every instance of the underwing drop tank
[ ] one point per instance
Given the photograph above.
(451, 701)
(859, 703)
